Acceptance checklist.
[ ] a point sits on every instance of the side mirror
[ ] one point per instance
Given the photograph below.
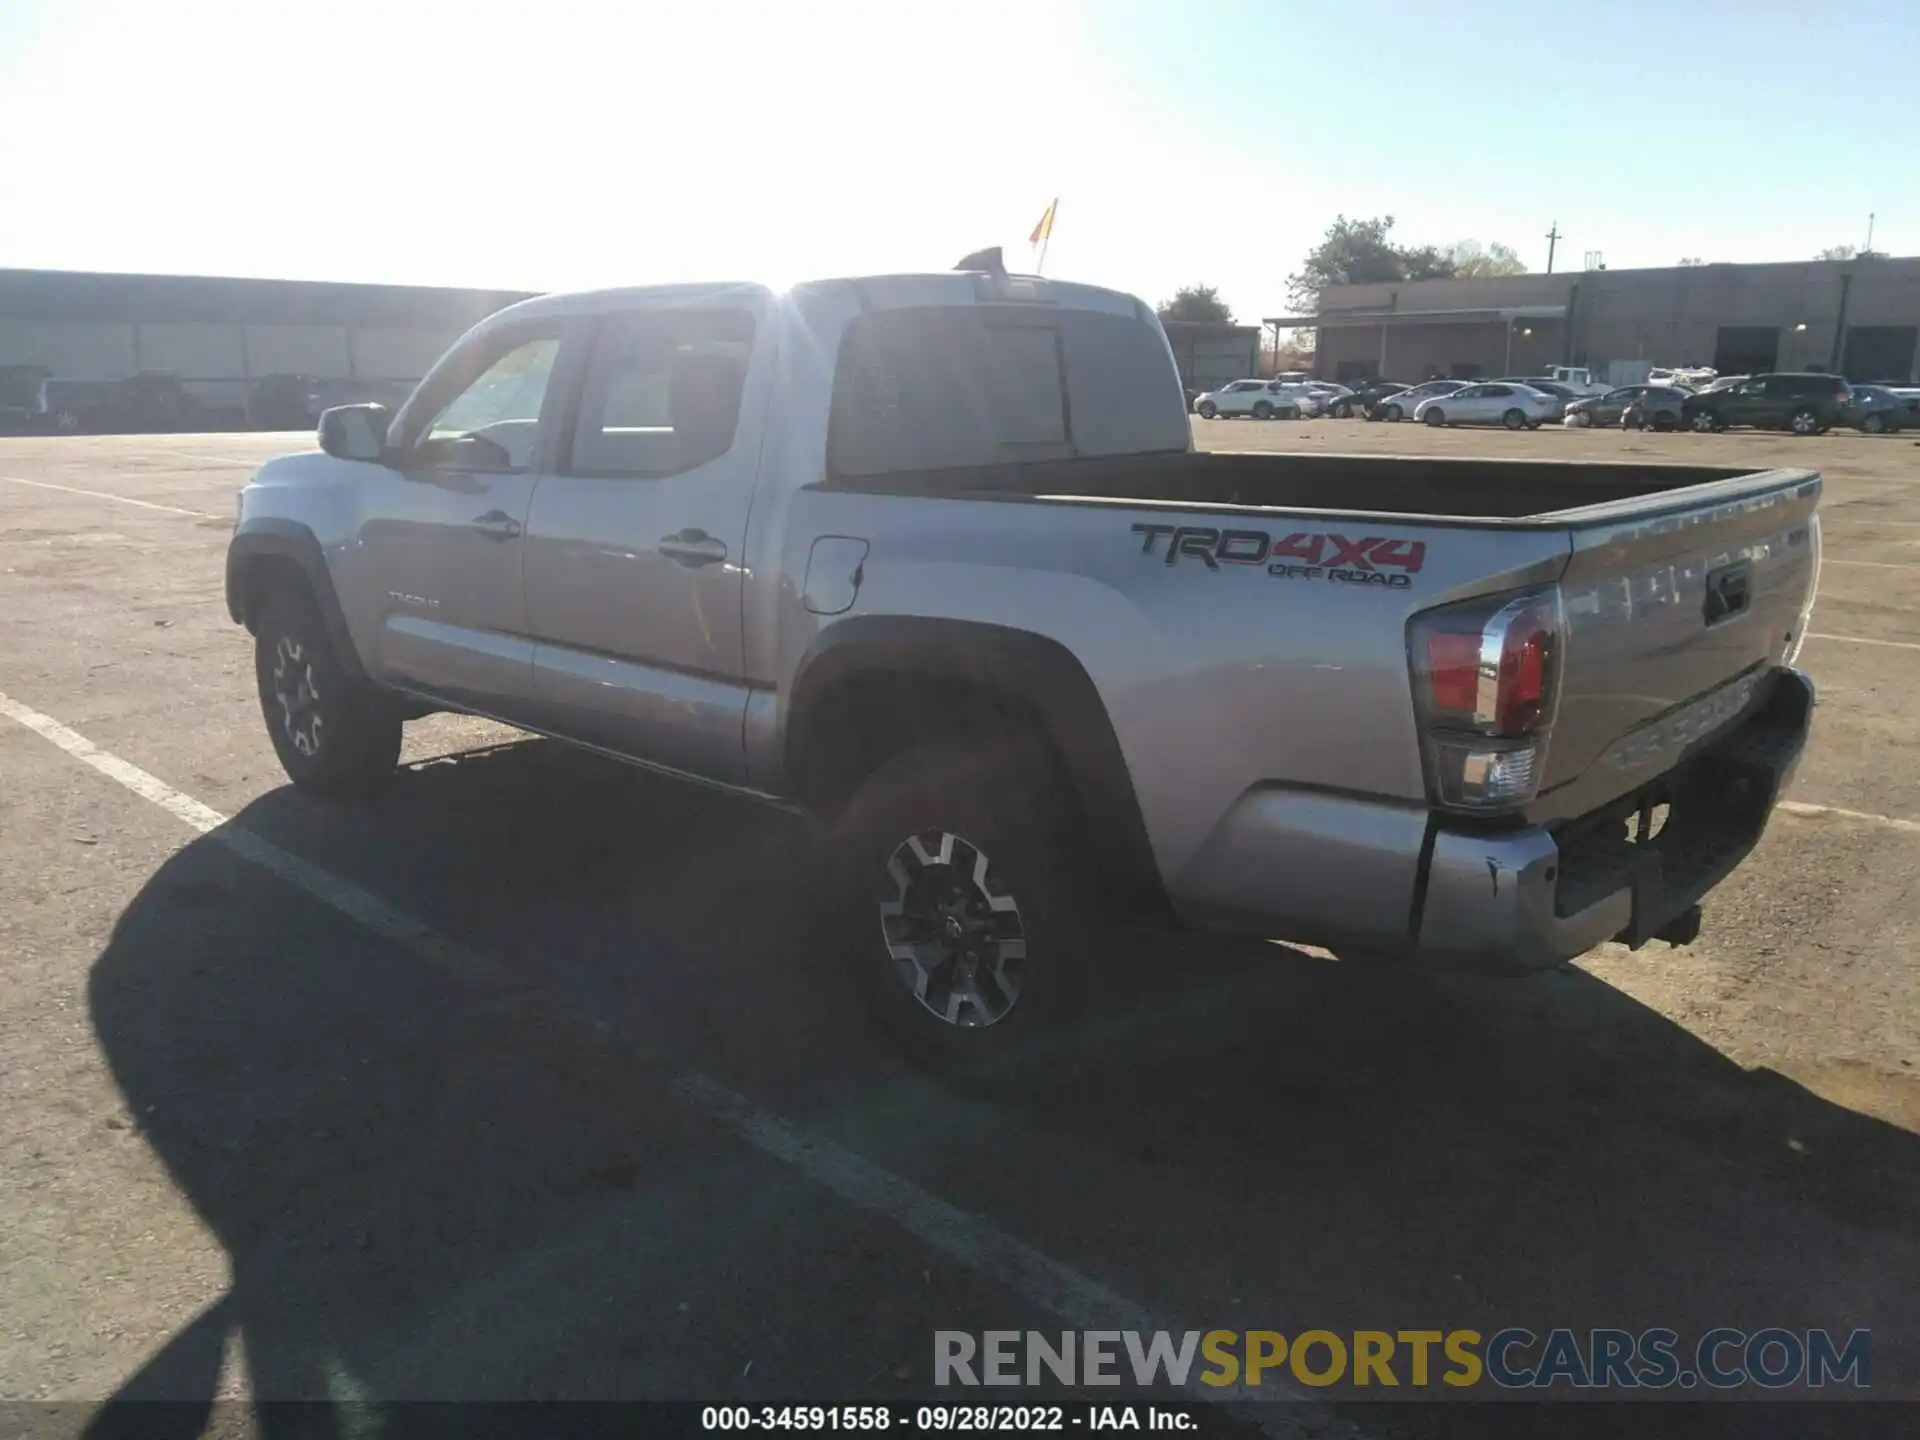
(355, 432)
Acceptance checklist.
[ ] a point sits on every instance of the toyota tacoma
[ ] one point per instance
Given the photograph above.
(933, 559)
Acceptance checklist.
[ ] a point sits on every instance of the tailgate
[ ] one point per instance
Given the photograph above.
(1668, 600)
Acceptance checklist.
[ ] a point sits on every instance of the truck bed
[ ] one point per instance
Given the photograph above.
(1412, 486)
(1680, 582)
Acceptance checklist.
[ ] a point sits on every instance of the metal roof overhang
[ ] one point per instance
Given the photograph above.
(1487, 315)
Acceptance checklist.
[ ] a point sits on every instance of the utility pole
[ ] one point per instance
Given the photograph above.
(1553, 239)
(1869, 244)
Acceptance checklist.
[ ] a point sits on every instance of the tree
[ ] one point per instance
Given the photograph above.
(1473, 261)
(1687, 261)
(1849, 252)
(1354, 252)
(1197, 302)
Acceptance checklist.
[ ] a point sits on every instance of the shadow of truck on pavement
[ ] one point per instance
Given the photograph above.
(446, 1188)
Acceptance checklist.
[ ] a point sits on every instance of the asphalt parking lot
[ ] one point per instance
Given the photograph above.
(519, 1084)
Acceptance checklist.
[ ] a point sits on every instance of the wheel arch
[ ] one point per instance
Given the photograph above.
(955, 676)
(273, 549)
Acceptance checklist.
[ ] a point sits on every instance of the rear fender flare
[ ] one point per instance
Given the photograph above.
(1037, 670)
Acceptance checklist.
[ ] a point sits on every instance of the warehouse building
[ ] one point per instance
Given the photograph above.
(1858, 318)
(220, 337)
(1211, 354)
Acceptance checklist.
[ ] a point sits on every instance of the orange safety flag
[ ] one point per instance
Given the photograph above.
(1044, 229)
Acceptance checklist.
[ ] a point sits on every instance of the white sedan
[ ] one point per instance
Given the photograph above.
(1514, 406)
(1262, 399)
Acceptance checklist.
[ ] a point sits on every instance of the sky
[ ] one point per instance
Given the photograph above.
(551, 144)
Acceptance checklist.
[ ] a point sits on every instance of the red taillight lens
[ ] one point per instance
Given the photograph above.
(1453, 671)
(1523, 681)
(1486, 676)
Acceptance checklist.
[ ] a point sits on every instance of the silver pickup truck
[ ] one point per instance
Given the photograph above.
(933, 559)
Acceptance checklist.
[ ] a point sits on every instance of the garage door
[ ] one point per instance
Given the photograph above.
(1879, 352)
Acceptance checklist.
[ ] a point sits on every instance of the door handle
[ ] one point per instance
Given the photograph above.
(693, 548)
(497, 524)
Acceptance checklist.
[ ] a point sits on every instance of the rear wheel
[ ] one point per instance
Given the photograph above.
(333, 735)
(1513, 419)
(1262, 410)
(1434, 417)
(1393, 413)
(1342, 410)
(1665, 420)
(1702, 422)
(1207, 410)
(1579, 419)
(1804, 422)
(1873, 424)
(960, 901)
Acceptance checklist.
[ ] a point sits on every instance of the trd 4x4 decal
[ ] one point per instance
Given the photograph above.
(1300, 555)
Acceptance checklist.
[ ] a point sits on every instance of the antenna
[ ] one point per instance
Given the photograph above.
(989, 260)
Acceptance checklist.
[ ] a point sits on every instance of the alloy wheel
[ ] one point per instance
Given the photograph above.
(298, 696)
(955, 937)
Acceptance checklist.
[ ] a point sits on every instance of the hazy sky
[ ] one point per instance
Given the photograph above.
(557, 144)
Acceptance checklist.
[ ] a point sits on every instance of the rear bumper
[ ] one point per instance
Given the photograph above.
(1533, 898)
(1509, 901)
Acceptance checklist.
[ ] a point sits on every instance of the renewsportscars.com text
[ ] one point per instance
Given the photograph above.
(1513, 1358)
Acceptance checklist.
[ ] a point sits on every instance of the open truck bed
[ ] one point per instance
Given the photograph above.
(1420, 487)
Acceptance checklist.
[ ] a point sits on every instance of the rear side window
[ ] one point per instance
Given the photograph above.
(946, 387)
(662, 392)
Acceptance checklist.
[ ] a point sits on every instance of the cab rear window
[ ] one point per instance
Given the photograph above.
(944, 387)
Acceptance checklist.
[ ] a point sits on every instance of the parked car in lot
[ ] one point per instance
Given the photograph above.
(1805, 403)
(1696, 377)
(1495, 403)
(1565, 394)
(1657, 408)
(1434, 759)
(1364, 400)
(1576, 380)
(1876, 410)
(1718, 383)
(1402, 405)
(1257, 400)
(1660, 404)
(152, 400)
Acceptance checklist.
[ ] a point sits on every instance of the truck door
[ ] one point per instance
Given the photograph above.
(634, 552)
(442, 544)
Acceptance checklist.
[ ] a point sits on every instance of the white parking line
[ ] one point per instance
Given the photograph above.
(236, 460)
(109, 495)
(1867, 564)
(972, 1240)
(1891, 822)
(1864, 640)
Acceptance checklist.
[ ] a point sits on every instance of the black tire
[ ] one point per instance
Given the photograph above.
(333, 736)
(1342, 410)
(1873, 424)
(1000, 799)
(1393, 413)
(1262, 410)
(1207, 410)
(1665, 420)
(1435, 417)
(1703, 422)
(1804, 422)
(1514, 419)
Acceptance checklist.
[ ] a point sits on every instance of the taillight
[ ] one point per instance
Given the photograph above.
(1486, 676)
